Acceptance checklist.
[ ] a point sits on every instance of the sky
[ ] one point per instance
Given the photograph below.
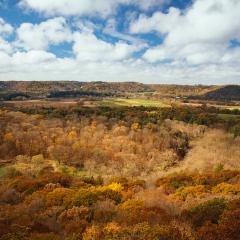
(148, 41)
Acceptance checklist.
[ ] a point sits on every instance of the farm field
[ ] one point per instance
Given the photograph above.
(89, 103)
(229, 116)
(131, 103)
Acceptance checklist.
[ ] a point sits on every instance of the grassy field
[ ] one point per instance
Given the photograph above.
(228, 116)
(131, 103)
(2, 171)
(234, 108)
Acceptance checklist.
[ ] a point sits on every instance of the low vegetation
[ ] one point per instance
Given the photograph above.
(131, 102)
(134, 169)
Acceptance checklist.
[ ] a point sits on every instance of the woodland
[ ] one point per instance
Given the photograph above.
(119, 173)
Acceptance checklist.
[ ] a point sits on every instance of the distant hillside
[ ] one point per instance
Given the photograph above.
(225, 93)
(173, 90)
(10, 90)
(38, 86)
(48, 86)
(41, 89)
(131, 87)
(211, 93)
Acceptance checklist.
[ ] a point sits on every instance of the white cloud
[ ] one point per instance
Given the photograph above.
(193, 53)
(198, 35)
(32, 57)
(5, 28)
(160, 22)
(110, 29)
(88, 47)
(206, 20)
(40, 36)
(5, 46)
(85, 7)
(27, 63)
(196, 41)
(44, 66)
(71, 7)
(213, 21)
(5, 62)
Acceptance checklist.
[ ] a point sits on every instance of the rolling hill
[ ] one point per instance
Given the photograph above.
(72, 89)
(225, 93)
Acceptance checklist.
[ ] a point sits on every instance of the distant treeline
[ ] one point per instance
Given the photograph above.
(76, 94)
(14, 96)
(147, 115)
(56, 94)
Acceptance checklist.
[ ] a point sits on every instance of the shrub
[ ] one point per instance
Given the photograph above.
(26, 185)
(11, 172)
(60, 197)
(132, 205)
(76, 228)
(113, 195)
(75, 214)
(43, 236)
(140, 231)
(104, 211)
(61, 178)
(140, 183)
(85, 197)
(175, 181)
(227, 188)
(38, 159)
(207, 211)
(227, 228)
(93, 181)
(122, 180)
(192, 191)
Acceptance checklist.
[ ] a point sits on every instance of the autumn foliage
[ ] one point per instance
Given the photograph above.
(117, 178)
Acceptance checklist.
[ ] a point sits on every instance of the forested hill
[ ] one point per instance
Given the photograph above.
(226, 93)
(181, 90)
(48, 86)
(41, 89)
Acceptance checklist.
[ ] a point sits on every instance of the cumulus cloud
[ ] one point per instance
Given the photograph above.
(5, 46)
(200, 34)
(85, 7)
(44, 66)
(5, 28)
(40, 36)
(32, 57)
(160, 22)
(88, 47)
(196, 43)
(5, 62)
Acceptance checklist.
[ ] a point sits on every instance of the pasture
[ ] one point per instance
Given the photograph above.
(131, 103)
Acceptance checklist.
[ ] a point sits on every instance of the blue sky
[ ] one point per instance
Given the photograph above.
(154, 41)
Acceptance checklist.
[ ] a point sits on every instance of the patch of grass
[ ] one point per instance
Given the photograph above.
(2, 171)
(234, 108)
(131, 103)
(228, 116)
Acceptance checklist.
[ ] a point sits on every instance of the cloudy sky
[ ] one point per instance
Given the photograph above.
(150, 41)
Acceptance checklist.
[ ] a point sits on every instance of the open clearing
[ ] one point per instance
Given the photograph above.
(89, 103)
(228, 116)
(131, 103)
(110, 102)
